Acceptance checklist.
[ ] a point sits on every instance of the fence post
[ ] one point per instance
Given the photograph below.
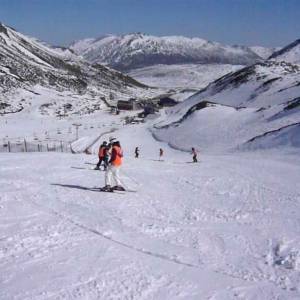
(25, 145)
(61, 146)
(38, 147)
(8, 144)
(47, 148)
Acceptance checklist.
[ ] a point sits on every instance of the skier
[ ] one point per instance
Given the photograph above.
(137, 152)
(101, 155)
(109, 145)
(105, 157)
(161, 153)
(194, 153)
(112, 172)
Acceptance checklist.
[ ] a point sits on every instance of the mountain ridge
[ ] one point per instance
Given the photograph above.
(26, 63)
(137, 50)
(289, 53)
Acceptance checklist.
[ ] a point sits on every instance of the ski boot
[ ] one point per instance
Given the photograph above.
(107, 188)
(118, 188)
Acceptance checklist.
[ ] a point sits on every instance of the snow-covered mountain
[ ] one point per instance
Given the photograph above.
(264, 52)
(257, 101)
(139, 50)
(28, 67)
(290, 53)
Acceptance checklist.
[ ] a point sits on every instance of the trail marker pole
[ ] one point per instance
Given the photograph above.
(77, 127)
(25, 146)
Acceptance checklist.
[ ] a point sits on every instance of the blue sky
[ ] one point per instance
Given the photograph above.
(247, 22)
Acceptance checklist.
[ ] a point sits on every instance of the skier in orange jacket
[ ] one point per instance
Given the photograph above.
(112, 177)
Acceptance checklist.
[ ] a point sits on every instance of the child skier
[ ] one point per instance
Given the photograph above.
(112, 178)
(101, 155)
(194, 153)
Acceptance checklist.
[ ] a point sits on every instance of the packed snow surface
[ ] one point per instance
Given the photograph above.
(224, 228)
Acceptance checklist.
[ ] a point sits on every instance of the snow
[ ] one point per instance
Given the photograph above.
(223, 228)
(138, 50)
(290, 53)
(32, 66)
(184, 76)
(264, 52)
(286, 137)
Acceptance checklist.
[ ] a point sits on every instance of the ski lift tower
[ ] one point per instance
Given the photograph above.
(77, 127)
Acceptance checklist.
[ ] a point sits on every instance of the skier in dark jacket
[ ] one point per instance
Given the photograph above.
(194, 153)
(161, 153)
(101, 155)
(137, 152)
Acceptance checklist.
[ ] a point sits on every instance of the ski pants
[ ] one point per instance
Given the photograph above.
(112, 176)
(104, 160)
(101, 159)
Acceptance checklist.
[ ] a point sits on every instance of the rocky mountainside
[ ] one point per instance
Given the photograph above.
(139, 50)
(290, 53)
(27, 67)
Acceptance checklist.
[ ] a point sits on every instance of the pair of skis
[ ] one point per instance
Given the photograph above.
(117, 191)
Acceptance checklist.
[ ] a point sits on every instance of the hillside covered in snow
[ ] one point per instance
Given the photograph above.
(139, 50)
(290, 53)
(264, 52)
(230, 112)
(30, 71)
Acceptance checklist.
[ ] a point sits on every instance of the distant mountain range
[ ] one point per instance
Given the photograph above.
(138, 50)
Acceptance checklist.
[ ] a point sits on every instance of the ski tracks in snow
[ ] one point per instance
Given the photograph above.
(217, 226)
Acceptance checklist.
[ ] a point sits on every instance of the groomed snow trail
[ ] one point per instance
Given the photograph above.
(225, 228)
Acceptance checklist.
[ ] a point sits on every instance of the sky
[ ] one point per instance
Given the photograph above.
(267, 23)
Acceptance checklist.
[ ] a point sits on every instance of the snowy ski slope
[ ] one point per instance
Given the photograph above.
(226, 227)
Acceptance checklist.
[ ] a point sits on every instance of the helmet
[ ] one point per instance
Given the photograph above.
(104, 143)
